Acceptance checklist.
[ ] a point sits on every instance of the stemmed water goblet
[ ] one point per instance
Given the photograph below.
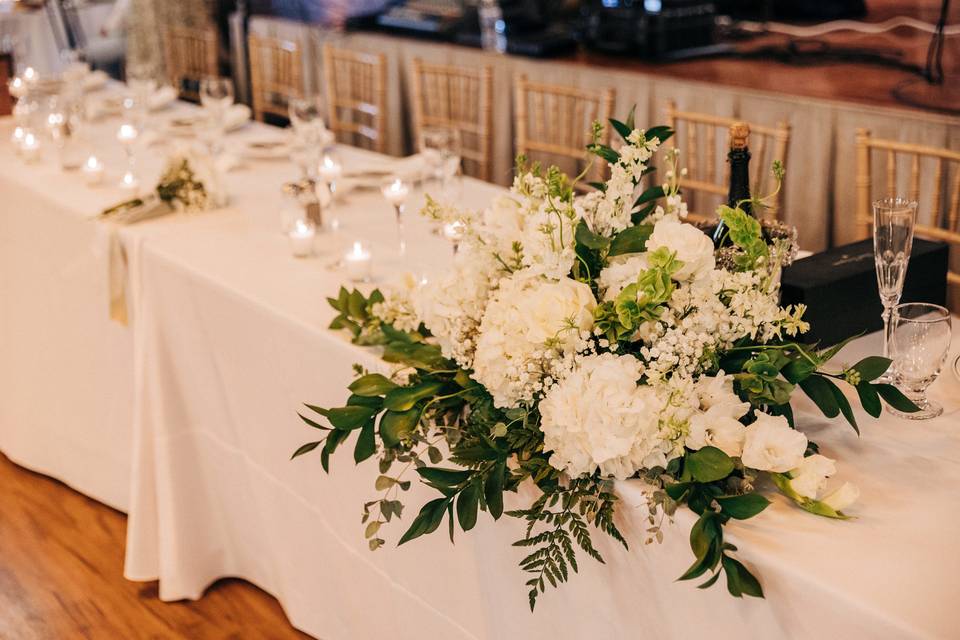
(396, 191)
(216, 96)
(330, 171)
(920, 342)
(127, 136)
(440, 147)
(893, 223)
(306, 118)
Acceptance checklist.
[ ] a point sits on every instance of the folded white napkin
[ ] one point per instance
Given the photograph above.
(161, 98)
(237, 116)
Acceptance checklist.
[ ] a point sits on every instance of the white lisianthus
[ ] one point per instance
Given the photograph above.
(691, 246)
(620, 272)
(810, 478)
(598, 417)
(771, 445)
(841, 498)
(717, 428)
(532, 329)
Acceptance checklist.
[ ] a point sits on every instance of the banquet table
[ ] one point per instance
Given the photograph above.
(193, 409)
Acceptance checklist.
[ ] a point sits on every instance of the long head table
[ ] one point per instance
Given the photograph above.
(228, 337)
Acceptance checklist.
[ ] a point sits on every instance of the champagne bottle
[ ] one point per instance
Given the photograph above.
(739, 192)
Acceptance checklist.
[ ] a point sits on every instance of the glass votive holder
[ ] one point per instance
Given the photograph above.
(301, 238)
(93, 171)
(358, 263)
(30, 147)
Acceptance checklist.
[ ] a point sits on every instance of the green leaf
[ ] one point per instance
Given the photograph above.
(426, 521)
(589, 239)
(740, 582)
(895, 398)
(467, 503)
(366, 444)
(350, 417)
(872, 367)
(705, 537)
(395, 426)
(604, 152)
(798, 370)
(844, 405)
(444, 477)
(869, 399)
(826, 356)
(709, 464)
(818, 389)
(313, 424)
(677, 490)
(357, 305)
(743, 507)
(621, 128)
(709, 583)
(662, 133)
(651, 194)
(493, 489)
(631, 240)
(307, 448)
(403, 398)
(371, 529)
(418, 355)
(373, 384)
(384, 482)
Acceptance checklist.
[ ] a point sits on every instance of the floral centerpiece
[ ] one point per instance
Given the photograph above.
(580, 340)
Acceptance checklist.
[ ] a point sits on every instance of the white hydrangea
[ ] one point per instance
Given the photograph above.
(532, 329)
(718, 424)
(620, 272)
(452, 307)
(598, 417)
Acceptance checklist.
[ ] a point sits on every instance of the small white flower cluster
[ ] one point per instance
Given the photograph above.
(191, 181)
(399, 307)
(608, 212)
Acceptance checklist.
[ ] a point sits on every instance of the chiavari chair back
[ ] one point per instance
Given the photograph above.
(938, 214)
(706, 184)
(553, 123)
(276, 74)
(460, 99)
(356, 86)
(190, 53)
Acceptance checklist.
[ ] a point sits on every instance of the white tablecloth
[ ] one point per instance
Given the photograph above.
(229, 338)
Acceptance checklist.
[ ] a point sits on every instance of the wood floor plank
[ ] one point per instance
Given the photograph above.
(61, 577)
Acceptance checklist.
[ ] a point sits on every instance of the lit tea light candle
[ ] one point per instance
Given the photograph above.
(330, 170)
(16, 138)
(127, 134)
(93, 171)
(30, 148)
(17, 87)
(301, 238)
(396, 192)
(30, 75)
(358, 262)
(129, 180)
(453, 231)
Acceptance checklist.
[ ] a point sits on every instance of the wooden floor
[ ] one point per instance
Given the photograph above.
(61, 577)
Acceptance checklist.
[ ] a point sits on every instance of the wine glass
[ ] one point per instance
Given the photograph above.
(216, 96)
(920, 341)
(396, 191)
(893, 222)
(440, 147)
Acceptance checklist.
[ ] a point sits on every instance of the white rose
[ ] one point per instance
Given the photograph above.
(843, 497)
(810, 477)
(691, 246)
(771, 445)
(716, 428)
(545, 310)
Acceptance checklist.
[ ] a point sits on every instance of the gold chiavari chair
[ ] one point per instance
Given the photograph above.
(190, 54)
(276, 74)
(704, 178)
(938, 214)
(555, 122)
(460, 99)
(356, 96)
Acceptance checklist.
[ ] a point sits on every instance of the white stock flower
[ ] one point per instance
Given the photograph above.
(771, 445)
(531, 327)
(843, 497)
(691, 245)
(598, 417)
(398, 306)
(809, 479)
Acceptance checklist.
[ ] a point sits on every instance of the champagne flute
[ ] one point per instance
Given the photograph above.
(395, 191)
(893, 222)
(920, 341)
